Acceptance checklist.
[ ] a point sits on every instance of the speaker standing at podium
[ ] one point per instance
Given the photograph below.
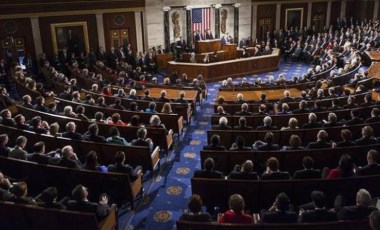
(181, 44)
(197, 36)
(208, 35)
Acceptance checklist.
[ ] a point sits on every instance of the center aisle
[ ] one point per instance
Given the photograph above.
(168, 196)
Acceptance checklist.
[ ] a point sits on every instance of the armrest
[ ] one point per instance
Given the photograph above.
(110, 222)
(136, 186)
(169, 138)
(180, 124)
(155, 155)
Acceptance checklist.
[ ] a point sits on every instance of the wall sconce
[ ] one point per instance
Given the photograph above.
(166, 8)
(237, 5)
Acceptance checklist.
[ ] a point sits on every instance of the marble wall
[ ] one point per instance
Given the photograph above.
(155, 21)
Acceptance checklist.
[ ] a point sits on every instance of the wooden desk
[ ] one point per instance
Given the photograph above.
(373, 55)
(208, 46)
(222, 55)
(374, 70)
(224, 69)
(231, 49)
(162, 60)
(272, 94)
(190, 95)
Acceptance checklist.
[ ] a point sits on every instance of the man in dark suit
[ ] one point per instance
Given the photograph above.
(70, 132)
(142, 140)
(181, 98)
(181, 44)
(245, 172)
(267, 124)
(267, 145)
(279, 213)
(66, 94)
(332, 121)
(346, 139)
(355, 118)
(92, 134)
(69, 158)
(308, 172)
(312, 122)
(208, 171)
(208, 35)
(321, 141)
(80, 203)
(367, 137)
(197, 36)
(215, 144)
(272, 172)
(361, 210)
(39, 155)
(334, 105)
(242, 124)
(120, 167)
(320, 213)
(302, 108)
(372, 167)
(162, 97)
(286, 98)
(223, 124)
(375, 116)
(244, 110)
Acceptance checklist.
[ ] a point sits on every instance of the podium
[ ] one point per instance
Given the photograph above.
(206, 46)
(231, 50)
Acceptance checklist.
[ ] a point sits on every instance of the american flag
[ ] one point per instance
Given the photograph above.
(201, 19)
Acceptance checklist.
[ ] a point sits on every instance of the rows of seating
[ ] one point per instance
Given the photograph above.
(289, 161)
(260, 194)
(37, 218)
(171, 121)
(281, 137)
(338, 225)
(158, 135)
(135, 155)
(282, 120)
(38, 177)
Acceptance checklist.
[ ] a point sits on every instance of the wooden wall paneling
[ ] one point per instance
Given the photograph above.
(46, 38)
(113, 21)
(335, 12)
(266, 14)
(291, 6)
(18, 28)
(318, 15)
(360, 9)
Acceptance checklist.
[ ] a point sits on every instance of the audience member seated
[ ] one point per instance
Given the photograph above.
(91, 162)
(181, 99)
(48, 199)
(267, 145)
(262, 110)
(147, 96)
(344, 169)
(115, 137)
(120, 167)
(273, 171)
(332, 121)
(69, 158)
(286, 98)
(367, 137)
(39, 126)
(235, 214)
(372, 167)
(244, 172)
(54, 130)
(375, 116)
(346, 139)
(18, 151)
(293, 124)
(284, 109)
(80, 110)
(308, 172)
(312, 122)
(244, 110)
(267, 124)
(317, 107)
(374, 220)
(27, 102)
(320, 212)
(220, 111)
(302, 108)
(92, 134)
(208, 171)
(4, 149)
(40, 105)
(117, 105)
(155, 122)
(38, 154)
(162, 97)
(295, 143)
(350, 103)
(223, 124)
(21, 123)
(242, 124)
(279, 212)
(80, 203)
(195, 214)
(70, 132)
(20, 190)
(142, 140)
(7, 119)
(102, 102)
(239, 145)
(214, 144)
(334, 105)
(361, 210)
(167, 108)
(5, 183)
(321, 141)
(115, 120)
(68, 112)
(240, 98)
(355, 118)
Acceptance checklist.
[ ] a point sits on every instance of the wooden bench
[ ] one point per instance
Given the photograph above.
(261, 194)
(171, 121)
(290, 161)
(336, 225)
(158, 135)
(281, 137)
(135, 155)
(38, 177)
(18, 216)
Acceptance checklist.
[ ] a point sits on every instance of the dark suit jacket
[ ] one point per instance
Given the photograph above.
(38, 158)
(267, 147)
(139, 142)
(312, 125)
(366, 141)
(318, 215)
(66, 96)
(267, 128)
(120, 168)
(287, 100)
(372, 169)
(243, 176)
(355, 121)
(68, 163)
(298, 111)
(373, 120)
(307, 174)
(279, 217)
(208, 174)
(318, 145)
(94, 138)
(345, 144)
(99, 210)
(355, 212)
(71, 135)
(219, 127)
(275, 176)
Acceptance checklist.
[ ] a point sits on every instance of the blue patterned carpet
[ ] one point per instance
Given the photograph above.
(167, 195)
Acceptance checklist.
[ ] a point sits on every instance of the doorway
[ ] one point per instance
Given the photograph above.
(119, 37)
(13, 50)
